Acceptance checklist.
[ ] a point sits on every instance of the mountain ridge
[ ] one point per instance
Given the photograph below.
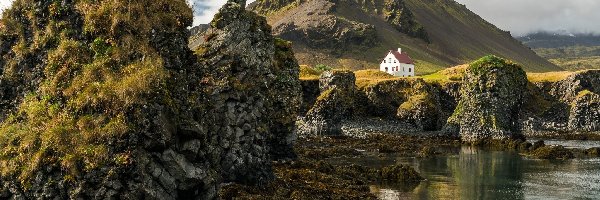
(456, 35)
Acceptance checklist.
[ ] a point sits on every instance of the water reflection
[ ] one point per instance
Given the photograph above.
(480, 174)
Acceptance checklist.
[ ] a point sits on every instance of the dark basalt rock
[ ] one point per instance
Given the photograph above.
(491, 98)
(585, 112)
(220, 115)
(567, 106)
(335, 103)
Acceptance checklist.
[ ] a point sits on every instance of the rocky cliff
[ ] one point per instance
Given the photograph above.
(564, 105)
(487, 99)
(97, 104)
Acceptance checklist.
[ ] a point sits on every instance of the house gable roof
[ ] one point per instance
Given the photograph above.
(402, 57)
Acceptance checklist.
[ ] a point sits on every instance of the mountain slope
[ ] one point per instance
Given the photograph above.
(355, 34)
(557, 40)
(570, 51)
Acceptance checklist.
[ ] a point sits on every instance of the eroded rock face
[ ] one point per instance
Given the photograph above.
(585, 112)
(567, 90)
(491, 99)
(175, 127)
(397, 14)
(285, 99)
(553, 107)
(408, 100)
(315, 25)
(335, 103)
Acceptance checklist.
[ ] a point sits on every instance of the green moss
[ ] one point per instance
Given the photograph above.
(325, 94)
(79, 116)
(491, 62)
(583, 93)
(307, 73)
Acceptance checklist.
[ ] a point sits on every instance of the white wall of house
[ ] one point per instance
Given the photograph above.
(393, 67)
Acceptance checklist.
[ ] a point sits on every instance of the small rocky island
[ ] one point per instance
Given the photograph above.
(98, 105)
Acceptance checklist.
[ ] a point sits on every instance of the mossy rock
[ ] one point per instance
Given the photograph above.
(491, 99)
(400, 174)
(552, 152)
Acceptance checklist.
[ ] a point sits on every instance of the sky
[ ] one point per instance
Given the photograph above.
(517, 16)
(526, 16)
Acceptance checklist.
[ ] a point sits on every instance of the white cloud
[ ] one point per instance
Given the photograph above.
(526, 16)
(4, 4)
(204, 10)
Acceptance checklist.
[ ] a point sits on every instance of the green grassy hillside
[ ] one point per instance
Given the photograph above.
(455, 35)
(572, 58)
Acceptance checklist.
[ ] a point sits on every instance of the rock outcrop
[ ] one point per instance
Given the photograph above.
(315, 25)
(397, 13)
(558, 106)
(334, 104)
(119, 108)
(491, 99)
(585, 112)
(409, 100)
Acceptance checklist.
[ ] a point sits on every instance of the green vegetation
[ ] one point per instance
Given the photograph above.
(572, 58)
(368, 77)
(96, 73)
(452, 74)
(578, 63)
(322, 68)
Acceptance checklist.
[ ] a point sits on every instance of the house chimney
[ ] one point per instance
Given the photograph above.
(399, 50)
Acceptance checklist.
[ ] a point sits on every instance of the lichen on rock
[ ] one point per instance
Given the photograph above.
(491, 99)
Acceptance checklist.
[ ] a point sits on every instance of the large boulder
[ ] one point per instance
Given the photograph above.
(491, 99)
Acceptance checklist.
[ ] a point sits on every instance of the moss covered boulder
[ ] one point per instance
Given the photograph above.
(491, 99)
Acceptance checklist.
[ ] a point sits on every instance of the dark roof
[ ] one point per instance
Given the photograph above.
(402, 57)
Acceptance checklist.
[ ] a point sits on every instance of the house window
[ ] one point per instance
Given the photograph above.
(409, 69)
(386, 69)
(394, 61)
(402, 69)
(383, 61)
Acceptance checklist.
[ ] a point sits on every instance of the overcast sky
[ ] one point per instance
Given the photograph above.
(525, 16)
(518, 16)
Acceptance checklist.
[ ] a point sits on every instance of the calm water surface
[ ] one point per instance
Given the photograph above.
(480, 174)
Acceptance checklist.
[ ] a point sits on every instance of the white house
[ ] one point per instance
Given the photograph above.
(398, 63)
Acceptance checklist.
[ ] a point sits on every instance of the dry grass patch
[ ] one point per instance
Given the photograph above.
(368, 77)
(308, 73)
(548, 76)
(447, 75)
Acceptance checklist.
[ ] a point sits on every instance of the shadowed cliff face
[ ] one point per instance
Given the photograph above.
(99, 104)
